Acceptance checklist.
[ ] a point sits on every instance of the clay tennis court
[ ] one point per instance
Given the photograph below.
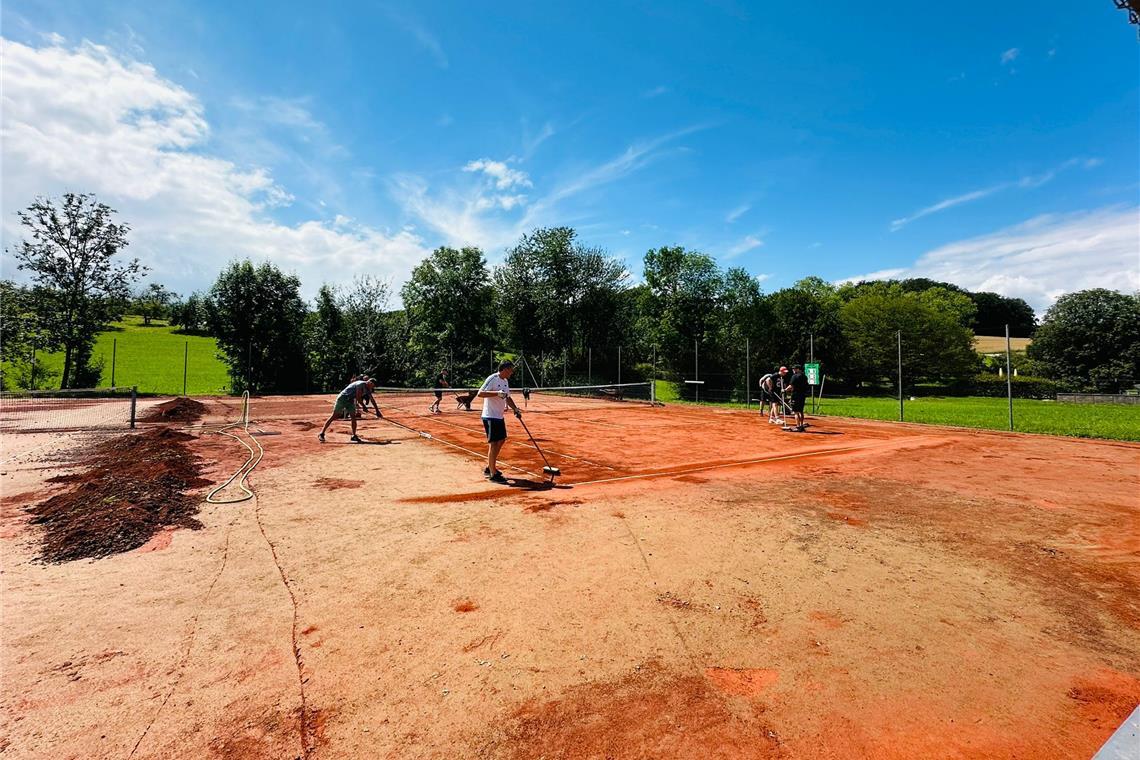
(697, 583)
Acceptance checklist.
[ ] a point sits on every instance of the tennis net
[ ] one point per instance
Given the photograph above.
(548, 399)
(64, 410)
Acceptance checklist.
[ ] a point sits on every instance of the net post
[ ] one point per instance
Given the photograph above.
(134, 404)
(900, 377)
(185, 365)
(114, 355)
(747, 376)
(1008, 379)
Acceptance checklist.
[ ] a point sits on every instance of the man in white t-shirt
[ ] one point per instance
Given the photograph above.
(496, 395)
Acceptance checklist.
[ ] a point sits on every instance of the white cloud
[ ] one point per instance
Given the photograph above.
(749, 243)
(656, 92)
(763, 277)
(1009, 56)
(86, 119)
(737, 212)
(1040, 259)
(480, 215)
(957, 200)
(1026, 182)
(504, 176)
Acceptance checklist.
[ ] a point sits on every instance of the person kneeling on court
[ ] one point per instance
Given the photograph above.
(496, 395)
(356, 392)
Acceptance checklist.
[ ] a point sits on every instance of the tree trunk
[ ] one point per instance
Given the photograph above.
(63, 382)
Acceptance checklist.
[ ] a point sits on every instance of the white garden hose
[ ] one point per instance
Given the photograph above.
(241, 476)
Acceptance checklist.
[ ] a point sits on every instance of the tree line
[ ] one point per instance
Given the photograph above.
(568, 307)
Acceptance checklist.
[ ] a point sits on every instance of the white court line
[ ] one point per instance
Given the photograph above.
(704, 468)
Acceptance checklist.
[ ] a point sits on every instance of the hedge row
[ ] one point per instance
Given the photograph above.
(995, 386)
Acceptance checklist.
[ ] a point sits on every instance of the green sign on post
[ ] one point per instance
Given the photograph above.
(812, 372)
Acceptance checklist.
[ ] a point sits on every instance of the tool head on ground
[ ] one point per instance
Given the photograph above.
(553, 472)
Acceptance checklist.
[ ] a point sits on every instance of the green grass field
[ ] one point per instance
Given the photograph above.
(151, 358)
(1112, 421)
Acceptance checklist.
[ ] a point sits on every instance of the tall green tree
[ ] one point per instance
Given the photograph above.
(22, 336)
(804, 322)
(450, 308)
(377, 337)
(1090, 340)
(326, 342)
(258, 318)
(684, 289)
(995, 311)
(71, 258)
(555, 293)
(154, 302)
(936, 343)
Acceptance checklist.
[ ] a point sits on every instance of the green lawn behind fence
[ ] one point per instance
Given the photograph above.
(1114, 421)
(152, 358)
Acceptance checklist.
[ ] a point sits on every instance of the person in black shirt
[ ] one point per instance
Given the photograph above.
(439, 384)
(798, 386)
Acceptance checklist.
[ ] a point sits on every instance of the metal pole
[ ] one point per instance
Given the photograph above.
(564, 362)
(185, 365)
(33, 365)
(589, 366)
(696, 371)
(619, 365)
(134, 401)
(900, 377)
(114, 353)
(1008, 378)
(747, 377)
(811, 358)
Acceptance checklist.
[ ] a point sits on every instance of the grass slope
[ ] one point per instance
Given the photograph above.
(152, 357)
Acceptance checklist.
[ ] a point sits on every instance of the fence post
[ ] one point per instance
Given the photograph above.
(1008, 379)
(590, 366)
(696, 371)
(134, 403)
(33, 365)
(619, 365)
(114, 355)
(185, 365)
(565, 360)
(747, 376)
(900, 377)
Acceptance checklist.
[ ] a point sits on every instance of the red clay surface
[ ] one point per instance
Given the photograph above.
(696, 584)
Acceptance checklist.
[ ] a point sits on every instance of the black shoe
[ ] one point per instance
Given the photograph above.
(321, 437)
(487, 472)
(497, 478)
(355, 439)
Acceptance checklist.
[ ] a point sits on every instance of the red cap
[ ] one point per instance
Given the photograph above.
(783, 369)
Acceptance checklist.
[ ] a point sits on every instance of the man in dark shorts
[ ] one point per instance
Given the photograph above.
(439, 384)
(798, 385)
(496, 395)
(769, 398)
(357, 393)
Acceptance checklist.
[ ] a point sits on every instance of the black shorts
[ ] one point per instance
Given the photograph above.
(770, 396)
(439, 395)
(798, 404)
(496, 430)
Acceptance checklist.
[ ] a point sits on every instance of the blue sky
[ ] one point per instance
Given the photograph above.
(995, 146)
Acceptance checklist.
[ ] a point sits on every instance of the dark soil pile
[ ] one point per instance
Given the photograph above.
(129, 488)
(175, 410)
